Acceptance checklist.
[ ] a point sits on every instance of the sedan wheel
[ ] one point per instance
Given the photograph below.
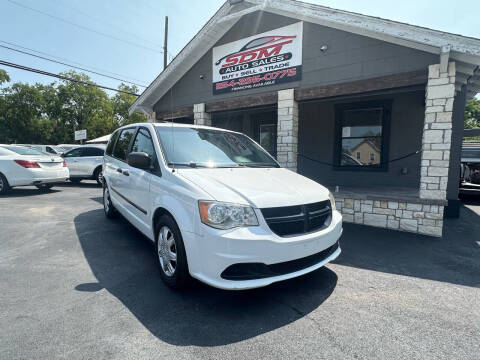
(99, 176)
(167, 251)
(3, 185)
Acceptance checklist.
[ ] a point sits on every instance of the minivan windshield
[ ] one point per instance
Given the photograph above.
(197, 147)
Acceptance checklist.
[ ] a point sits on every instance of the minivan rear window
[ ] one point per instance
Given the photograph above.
(121, 148)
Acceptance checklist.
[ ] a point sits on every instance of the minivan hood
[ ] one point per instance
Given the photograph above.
(258, 187)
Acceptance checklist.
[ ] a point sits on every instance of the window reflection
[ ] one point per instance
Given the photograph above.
(361, 137)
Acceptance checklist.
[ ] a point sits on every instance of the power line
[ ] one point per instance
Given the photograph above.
(62, 77)
(71, 61)
(72, 66)
(103, 22)
(85, 27)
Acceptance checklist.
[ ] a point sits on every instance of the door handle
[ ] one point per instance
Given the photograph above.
(119, 170)
(126, 173)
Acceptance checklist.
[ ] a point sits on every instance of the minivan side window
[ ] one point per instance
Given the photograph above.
(111, 143)
(143, 143)
(121, 148)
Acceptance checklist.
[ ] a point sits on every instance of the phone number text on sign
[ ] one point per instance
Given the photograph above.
(254, 81)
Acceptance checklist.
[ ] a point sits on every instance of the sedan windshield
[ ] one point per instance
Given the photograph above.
(194, 147)
(23, 150)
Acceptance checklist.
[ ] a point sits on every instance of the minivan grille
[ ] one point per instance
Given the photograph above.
(298, 219)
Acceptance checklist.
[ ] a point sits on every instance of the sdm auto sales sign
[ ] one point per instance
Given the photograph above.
(271, 58)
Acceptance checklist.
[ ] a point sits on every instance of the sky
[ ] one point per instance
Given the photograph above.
(124, 38)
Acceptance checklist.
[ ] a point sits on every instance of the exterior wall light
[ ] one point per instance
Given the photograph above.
(324, 48)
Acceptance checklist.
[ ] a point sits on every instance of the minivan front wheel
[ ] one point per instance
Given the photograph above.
(172, 259)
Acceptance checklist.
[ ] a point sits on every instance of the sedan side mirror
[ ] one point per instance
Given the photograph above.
(139, 160)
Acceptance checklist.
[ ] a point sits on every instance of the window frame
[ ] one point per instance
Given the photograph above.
(113, 139)
(87, 148)
(134, 128)
(66, 154)
(157, 170)
(386, 106)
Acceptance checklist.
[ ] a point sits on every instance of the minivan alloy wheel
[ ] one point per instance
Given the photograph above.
(167, 250)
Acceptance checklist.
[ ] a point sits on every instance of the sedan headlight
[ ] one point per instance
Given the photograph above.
(332, 201)
(225, 215)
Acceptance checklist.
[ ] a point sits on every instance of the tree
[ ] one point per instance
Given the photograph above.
(121, 104)
(4, 77)
(49, 114)
(22, 117)
(83, 107)
(472, 114)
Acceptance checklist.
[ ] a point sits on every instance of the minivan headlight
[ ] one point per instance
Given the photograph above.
(223, 216)
(332, 201)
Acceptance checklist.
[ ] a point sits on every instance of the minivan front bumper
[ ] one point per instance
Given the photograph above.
(250, 257)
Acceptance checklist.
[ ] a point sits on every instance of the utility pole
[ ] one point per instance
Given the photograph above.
(165, 43)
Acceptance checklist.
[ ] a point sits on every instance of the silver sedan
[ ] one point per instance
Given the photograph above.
(85, 162)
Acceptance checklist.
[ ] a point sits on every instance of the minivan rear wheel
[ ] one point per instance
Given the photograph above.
(171, 255)
(108, 208)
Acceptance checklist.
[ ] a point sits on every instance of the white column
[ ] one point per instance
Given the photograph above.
(151, 117)
(200, 117)
(287, 129)
(437, 132)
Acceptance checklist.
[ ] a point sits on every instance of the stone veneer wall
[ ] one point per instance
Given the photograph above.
(200, 117)
(397, 215)
(437, 132)
(287, 129)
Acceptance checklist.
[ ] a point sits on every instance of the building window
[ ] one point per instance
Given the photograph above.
(362, 135)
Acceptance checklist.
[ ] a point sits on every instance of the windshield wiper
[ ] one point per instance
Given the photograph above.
(257, 165)
(190, 164)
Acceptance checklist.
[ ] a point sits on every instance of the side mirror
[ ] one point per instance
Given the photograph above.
(139, 160)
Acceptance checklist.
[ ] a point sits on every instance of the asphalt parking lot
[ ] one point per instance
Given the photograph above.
(74, 285)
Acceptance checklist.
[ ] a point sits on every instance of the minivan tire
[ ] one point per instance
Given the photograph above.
(108, 208)
(180, 278)
(4, 186)
(98, 176)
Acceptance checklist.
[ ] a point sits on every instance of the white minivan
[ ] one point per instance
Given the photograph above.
(218, 207)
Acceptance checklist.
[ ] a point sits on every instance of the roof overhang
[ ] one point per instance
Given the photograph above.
(465, 51)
